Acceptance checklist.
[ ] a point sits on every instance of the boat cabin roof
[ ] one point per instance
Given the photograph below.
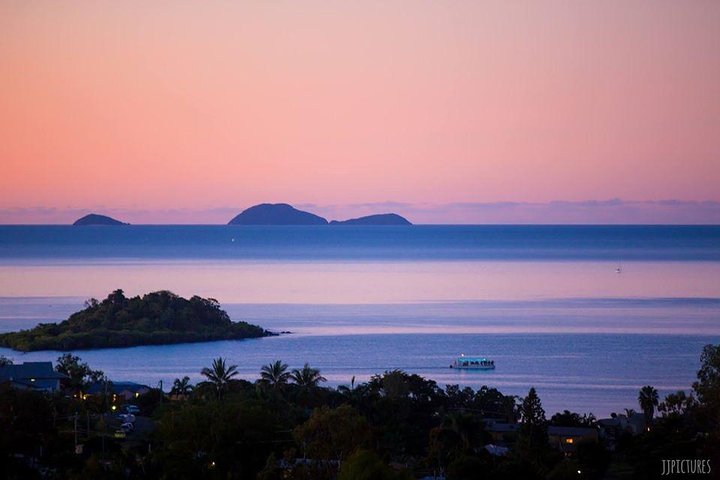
(465, 358)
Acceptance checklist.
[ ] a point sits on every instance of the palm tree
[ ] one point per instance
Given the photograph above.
(181, 388)
(648, 399)
(275, 374)
(219, 375)
(308, 377)
(348, 391)
(356, 394)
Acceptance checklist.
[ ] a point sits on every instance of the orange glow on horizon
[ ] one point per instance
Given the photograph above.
(185, 105)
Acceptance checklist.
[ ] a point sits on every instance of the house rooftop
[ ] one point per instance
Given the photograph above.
(499, 427)
(29, 370)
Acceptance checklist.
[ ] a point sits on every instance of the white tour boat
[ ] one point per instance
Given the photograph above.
(473, 363)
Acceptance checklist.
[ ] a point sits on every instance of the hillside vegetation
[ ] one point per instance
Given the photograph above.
(153, 319)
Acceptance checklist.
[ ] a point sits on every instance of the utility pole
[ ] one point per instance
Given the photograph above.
(75, 423)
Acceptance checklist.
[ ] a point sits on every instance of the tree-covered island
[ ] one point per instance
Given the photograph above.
(154, 319)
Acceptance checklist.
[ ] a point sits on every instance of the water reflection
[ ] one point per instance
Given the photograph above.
(367, 282)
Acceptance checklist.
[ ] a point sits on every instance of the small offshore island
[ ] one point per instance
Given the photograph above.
(157, 318)
(95, 219)
(276, 214)
(381, 219)
(284, 214)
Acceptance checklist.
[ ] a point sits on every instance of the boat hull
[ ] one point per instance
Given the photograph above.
(473, 367)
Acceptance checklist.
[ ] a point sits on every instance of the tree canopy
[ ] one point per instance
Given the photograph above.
(153, 319)
(396, 426)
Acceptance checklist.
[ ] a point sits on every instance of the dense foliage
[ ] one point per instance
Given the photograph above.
(395, 426)
(153, 319)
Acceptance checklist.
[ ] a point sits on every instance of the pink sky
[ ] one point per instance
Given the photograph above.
(152, 106)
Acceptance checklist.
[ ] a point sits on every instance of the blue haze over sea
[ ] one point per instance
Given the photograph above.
(544, 301)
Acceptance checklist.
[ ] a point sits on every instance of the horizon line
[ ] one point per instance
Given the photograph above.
(556, 212)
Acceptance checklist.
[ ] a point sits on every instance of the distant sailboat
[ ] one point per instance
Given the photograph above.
(618, 269)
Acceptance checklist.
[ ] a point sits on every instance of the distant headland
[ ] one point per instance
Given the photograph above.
(284, 214)
(157, 318)
(95, 219)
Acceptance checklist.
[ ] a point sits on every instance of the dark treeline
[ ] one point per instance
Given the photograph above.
(286, 425)
(117, 321)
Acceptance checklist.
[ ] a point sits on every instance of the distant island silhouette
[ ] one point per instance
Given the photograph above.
(379, 219)
(284, 214)
(273, 214)
(276, 214)
(95, 219)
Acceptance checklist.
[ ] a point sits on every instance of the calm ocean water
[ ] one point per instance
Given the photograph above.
(544, 301)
